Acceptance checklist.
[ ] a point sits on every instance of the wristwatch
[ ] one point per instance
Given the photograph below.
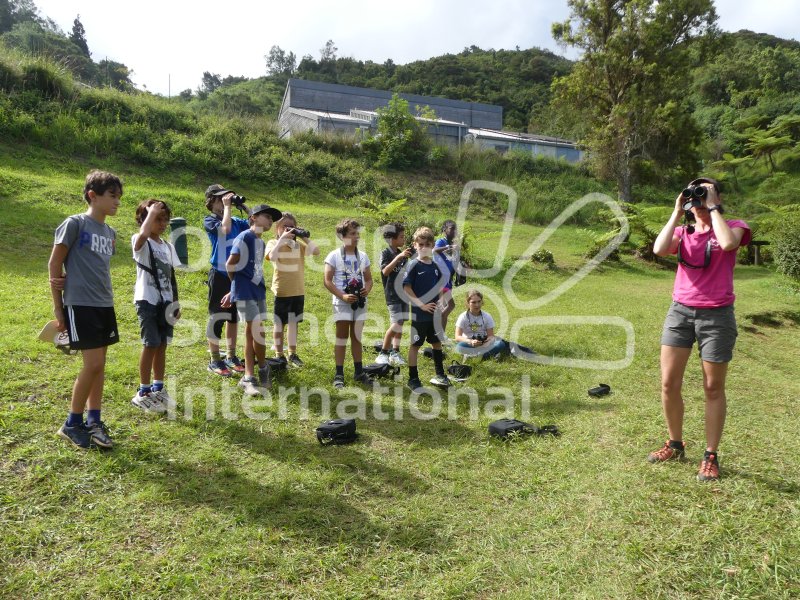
(717, 207)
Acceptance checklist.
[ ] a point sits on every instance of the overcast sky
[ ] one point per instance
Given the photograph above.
(178, 39)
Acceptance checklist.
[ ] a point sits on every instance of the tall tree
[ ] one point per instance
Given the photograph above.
(279, 62)
(328, 52)
(18, 11)
(78, 36)
(630, 83)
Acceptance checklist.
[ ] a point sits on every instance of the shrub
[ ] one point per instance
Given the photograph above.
(786, 247)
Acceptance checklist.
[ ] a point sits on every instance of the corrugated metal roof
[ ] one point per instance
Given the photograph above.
(519, 137)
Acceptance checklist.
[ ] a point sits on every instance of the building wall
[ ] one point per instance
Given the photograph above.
(313, 95)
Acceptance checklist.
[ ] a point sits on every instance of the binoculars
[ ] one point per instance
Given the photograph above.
(694, 196)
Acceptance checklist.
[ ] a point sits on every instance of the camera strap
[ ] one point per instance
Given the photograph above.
(153, 271)
(474, 326)
(707, 258)
(357, 266)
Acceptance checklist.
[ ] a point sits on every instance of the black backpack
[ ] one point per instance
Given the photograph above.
(459, 371)
(507, 428)
(276, 365)
(375, 370)
(337, 431)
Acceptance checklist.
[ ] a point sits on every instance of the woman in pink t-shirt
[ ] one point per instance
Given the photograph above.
(702, 311)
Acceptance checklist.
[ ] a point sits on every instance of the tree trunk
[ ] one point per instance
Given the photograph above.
(625, 181)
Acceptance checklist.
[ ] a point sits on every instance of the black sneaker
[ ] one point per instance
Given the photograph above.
(98, 432)
(415, 385)
(338, 381)
(77, 434)
(294, 361)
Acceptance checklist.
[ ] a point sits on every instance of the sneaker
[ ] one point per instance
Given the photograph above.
(249, 384)
(338, 382)
(234, 365)
(441, 381)
(218, 367)
(395, 359)
(709, 468)
(265, 376)
(294, 361)
(149, 403)
(98, 432)
(383, 358)
(415, 385)
(78, 435)
(666, 453)
(163, 396)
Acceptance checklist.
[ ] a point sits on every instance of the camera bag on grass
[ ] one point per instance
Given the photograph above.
(508, 428)
(337, 431)
(276, 365)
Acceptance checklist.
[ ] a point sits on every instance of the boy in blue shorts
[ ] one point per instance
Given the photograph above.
(80, 267)
(221, 228)
(245, 268)
(423, 282)
(156, 298)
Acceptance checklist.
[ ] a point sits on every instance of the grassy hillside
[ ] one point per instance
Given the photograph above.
(254, 507)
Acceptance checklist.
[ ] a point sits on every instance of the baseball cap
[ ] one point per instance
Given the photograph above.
(260, 208)
(216, 189)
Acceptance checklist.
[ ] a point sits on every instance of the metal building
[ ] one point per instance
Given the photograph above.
(329, 107)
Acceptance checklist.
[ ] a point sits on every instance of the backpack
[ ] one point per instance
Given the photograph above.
(508, 428)
(458, 371)
(375, 370)
(337, 431)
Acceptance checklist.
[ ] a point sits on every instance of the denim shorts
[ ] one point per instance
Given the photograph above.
(153, 325)
(714, 329)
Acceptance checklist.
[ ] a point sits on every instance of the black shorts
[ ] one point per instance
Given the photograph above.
(288, 309)
(91, 326)
(219, 284)
(423, 331)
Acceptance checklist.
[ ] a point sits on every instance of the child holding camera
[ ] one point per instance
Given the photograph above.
(349, 280)
(245, 267)
(156, 298)
(423, 283)
(393, 259)
(475, 330)
(83, 302)
(287, 254)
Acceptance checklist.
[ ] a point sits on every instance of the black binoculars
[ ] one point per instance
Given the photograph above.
(237, 200)
(694, 196)
(302, 233)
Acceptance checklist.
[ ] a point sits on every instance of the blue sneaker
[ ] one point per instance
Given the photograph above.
(78, 435)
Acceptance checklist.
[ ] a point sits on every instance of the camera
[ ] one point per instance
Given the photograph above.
(303, 233)
(480, 338)
(413, 250)
(237, 200)
(354, 287)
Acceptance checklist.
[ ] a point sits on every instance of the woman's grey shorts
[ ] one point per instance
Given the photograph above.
(713, 328)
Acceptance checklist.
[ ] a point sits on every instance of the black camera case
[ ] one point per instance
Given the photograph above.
(337, 431)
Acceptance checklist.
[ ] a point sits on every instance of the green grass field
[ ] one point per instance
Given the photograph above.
(418, 508)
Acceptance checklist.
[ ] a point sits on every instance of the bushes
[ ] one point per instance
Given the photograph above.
(786, 247)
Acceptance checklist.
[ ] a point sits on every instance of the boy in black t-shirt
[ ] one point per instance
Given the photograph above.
(393, 259)
(423, 283)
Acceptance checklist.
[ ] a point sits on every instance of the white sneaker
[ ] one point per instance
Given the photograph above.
(249, 385)
(148, 403)
(395, 359)
(163, 396)
(383, 359)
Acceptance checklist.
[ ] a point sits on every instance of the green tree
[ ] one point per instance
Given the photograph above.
(115, 74)
(78, 36)
(401, 142)
(630, 82)
(280, 63)
(763, 145)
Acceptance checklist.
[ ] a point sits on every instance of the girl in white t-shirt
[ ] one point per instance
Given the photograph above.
(349, 280)
(475, 330)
